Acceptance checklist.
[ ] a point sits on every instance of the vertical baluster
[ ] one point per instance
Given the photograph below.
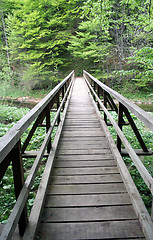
(63, 97)
(94, 87)
(58, 104)
(48, 125)
(105, 104)
(152, 210)
(120, 124)
(17, 164)
(98, 93)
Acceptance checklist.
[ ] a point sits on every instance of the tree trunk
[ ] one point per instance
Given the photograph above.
(5, 38)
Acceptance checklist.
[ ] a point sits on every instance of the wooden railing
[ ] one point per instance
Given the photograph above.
(107, 99)
(11, 150)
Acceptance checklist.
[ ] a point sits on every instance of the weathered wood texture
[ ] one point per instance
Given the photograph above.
(86, 197)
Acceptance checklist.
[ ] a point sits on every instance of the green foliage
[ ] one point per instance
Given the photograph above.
(10, 114)
(111, 39)
(142, 70)
(38, 34)
(114, 40)
(147, 136)
(8, 117)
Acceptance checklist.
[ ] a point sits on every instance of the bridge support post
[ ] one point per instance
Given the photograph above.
(105, 104)
(152, 210)
(135, 129)
(94, 86)
(58, 104)
(63, 97)
(98, 93)
(120, 124)
(48, 125)
(17, 164)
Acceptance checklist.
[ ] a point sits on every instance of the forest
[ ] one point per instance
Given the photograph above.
(42, 41)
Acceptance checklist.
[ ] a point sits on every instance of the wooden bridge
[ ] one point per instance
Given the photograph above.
(86, 191)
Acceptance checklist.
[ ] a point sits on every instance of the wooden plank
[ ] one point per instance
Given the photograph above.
(83, 145)
(140, 209)
(95, 230)
(110, 178)
(139, 165)
(81, 117)
(82, 134)
(84, 152)
(90, 188)
(36, 211)
(79, 164)
(33, 154)
(82, 138)
(88, 200)
(85, 157)
(72, 122)
(80, 126)
(80, 113)
(138, 152)
(85, 214)
(85, 171)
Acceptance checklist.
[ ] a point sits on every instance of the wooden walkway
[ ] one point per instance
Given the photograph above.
(86, 198)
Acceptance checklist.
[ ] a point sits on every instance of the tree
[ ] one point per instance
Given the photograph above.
(111, 33)
(38, 38)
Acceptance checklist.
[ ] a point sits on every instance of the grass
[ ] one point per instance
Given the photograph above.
(7, 90)
(136, 95)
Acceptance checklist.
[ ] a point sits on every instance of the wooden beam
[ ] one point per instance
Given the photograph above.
(140, 113)
(4, 165)
(135, 129)
(36, 211)
(9, 140)
(139, 165)
(33, 154)
(48, 125)
(33, 129)
(105, 104)
(18, 174)
(139, 152)
(141, 211)
(120, 124)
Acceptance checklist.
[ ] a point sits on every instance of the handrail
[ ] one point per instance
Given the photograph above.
(148, 179)
(42, 110)
(9, 140)
(140, 113)
(142, 170)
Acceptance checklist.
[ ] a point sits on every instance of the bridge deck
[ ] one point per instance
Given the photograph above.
(86, 197)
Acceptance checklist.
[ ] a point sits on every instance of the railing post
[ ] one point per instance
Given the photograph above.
(105, 104)
(98, 93)
(135, 129)
(58, 104)
(94, 87)
(152, 210)
(17, 164)
(120, 124)
(63, 97)
(48, 125)
(4, 165)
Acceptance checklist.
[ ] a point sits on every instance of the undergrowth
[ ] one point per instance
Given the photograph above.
(8, 117)
(147, 136)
